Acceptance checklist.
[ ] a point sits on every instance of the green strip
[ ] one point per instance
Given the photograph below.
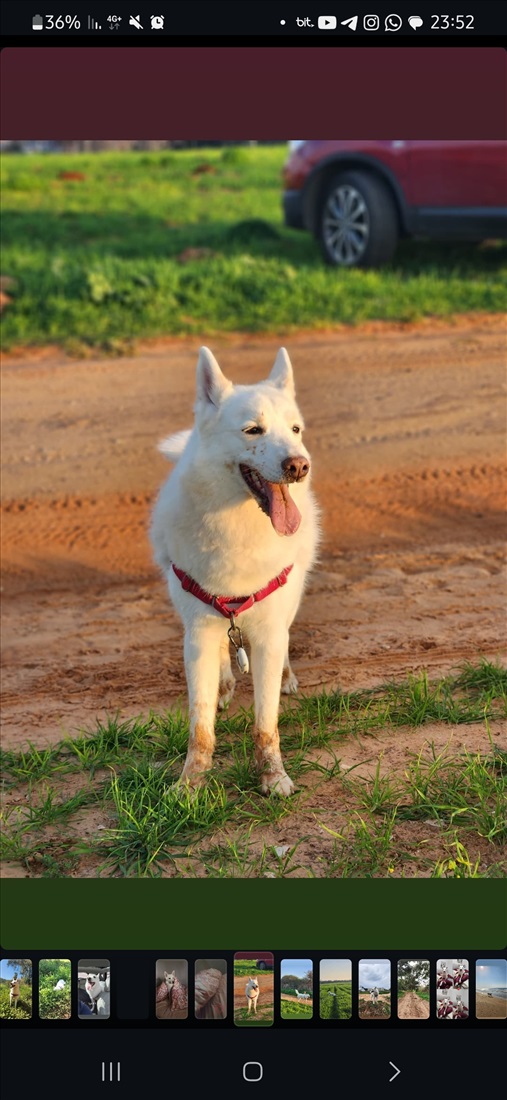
(281, 914)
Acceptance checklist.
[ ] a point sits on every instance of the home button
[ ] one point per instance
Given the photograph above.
(252, 1071)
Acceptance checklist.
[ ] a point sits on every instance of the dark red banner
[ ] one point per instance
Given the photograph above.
(256, 92)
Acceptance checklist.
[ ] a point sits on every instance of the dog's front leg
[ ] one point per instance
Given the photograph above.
(202, 668)
(267, 665)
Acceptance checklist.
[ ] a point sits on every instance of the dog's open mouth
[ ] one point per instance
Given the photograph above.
(275, 500)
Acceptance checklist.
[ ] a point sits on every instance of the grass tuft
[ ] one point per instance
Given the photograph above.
(442, 815)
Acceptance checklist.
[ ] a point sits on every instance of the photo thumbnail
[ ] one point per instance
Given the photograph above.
(171, 989)
(254, 991)
(413, 989)
(210, 989)
(491, 989)
(15, 989)
(55, 989)
(94, 988)
(452, 989)
(296, 989)
(374, 989)
(335, 989)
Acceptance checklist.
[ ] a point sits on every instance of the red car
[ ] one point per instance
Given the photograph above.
(359, 198)
(263, 960)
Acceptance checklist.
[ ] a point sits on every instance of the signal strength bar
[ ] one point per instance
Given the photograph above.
(93, 25)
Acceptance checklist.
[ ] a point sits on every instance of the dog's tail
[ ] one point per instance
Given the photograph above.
(172, 447)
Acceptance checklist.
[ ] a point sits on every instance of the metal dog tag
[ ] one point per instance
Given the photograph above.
(242, 659)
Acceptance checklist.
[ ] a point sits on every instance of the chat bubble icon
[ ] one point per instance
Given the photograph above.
(415, 21)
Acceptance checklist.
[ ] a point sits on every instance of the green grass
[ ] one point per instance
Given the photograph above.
(24, 1008)
(335, 1000)
(245, 967)
(442, 814)
(295, 1010)
(262, 1018)
(100, 263)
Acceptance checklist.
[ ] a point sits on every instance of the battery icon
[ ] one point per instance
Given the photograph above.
(37, 23)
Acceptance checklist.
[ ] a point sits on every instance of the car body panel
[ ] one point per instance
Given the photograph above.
(468, 174)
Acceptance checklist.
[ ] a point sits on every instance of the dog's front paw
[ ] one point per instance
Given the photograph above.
(183, 792)
(277, 783)
(189, 779)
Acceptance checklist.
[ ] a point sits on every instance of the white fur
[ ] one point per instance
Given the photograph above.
(174, 445)
(252, 994)
(209, 524)
(14, 992)
(98, 990)
(170, 979)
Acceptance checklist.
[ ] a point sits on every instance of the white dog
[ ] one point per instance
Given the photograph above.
(14, 992)
(97, 987)
(235, 530)
(170, 980)
(252, 994)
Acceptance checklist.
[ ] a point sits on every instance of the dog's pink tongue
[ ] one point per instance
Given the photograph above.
(283, 513)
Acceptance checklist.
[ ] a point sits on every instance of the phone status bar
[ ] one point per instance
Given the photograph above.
(320, 21)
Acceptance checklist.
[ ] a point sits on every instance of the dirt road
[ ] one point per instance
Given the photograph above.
(406, 433)
(411, 1007)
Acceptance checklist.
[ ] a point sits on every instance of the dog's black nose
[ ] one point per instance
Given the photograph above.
(296, 468)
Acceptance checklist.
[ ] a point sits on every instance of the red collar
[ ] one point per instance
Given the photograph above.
(221, 603)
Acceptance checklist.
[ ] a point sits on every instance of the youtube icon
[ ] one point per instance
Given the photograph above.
(327, 22)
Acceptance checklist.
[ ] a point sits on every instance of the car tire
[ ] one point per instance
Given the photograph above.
(261, 965)
(357, 221)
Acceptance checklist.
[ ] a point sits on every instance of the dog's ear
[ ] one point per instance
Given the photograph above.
(282, 374)
(212, 385)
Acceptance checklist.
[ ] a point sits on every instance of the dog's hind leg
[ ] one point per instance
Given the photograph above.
(289, 681)
(267, 666)
(227, 682)
(202, 668)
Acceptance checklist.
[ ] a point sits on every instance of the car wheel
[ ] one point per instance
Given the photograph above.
(261, 965)
(358, 224)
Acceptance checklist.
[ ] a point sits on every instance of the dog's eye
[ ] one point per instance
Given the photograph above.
(255, 430)
(296, 429)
